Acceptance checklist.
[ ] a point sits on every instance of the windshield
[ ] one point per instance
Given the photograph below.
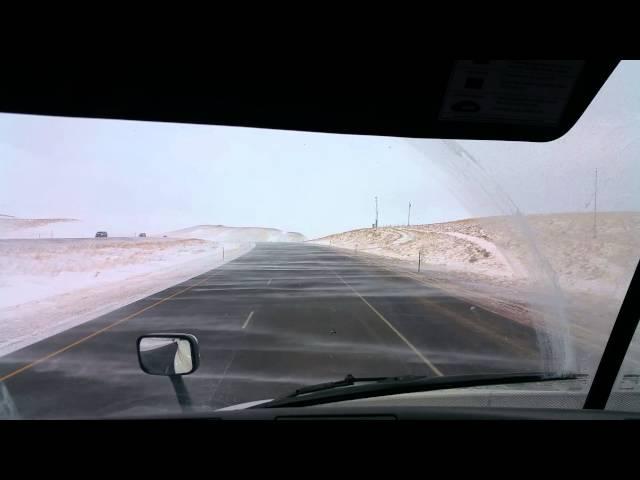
(299, 258)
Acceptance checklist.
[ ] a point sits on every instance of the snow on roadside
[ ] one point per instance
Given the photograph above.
(221, 233)
(50, 285)
(36, 269)
(55, 275)
(496, 247)
(439, 249)
(489, 262)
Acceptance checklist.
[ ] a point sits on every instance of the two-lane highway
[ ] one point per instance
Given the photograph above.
(282, 316)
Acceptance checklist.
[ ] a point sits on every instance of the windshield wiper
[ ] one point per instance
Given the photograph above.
(346, 382)
(348, 388)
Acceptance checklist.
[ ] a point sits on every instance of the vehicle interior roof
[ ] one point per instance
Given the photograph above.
(382, 97)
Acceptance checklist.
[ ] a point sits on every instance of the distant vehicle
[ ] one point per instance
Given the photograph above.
(101, 234)
(142, 235)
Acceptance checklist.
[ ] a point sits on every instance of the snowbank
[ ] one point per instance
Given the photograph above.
(220, 233)
(507, 248)
(439, 249)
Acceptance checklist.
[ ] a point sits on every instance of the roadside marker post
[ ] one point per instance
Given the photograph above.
(419, 259)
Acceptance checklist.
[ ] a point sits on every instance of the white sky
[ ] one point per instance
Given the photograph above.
(153, 177)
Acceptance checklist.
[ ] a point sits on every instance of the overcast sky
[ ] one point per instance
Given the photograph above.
(158, 177)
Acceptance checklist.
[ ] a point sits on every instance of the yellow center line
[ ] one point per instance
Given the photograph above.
(96, 333)
(395, 330)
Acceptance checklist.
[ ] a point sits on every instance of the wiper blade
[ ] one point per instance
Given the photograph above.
(380, 386)
(347, 381)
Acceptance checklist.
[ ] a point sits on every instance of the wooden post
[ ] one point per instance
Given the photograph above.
(419, 260)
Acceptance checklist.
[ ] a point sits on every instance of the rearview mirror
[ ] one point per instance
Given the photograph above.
(168, 354)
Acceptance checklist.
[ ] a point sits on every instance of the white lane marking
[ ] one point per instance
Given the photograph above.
(402, 337)
(246, 322)
(269, 282)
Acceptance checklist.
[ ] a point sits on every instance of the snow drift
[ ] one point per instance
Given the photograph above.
(221, 233)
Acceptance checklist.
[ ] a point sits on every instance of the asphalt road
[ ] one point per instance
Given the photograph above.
(282, 316)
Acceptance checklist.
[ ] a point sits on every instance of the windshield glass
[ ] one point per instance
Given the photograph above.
(298, 258)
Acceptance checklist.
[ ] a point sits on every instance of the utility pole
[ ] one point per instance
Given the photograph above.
(595, 204)
(409, 216)
(376, 212)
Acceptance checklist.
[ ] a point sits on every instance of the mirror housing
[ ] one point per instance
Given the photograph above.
(168, 354)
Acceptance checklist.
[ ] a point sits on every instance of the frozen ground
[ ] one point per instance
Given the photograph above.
(523, 267)
(51, 278)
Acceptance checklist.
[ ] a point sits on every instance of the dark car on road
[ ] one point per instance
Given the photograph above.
(101, 235)
(142, 235)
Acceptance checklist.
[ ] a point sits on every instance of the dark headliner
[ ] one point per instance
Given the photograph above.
(402, 100)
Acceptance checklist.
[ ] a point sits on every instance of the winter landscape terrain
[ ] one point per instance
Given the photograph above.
(532, 269)
(552, 268)
(55, 275)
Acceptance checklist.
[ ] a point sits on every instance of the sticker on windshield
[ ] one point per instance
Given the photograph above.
(533, 92)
